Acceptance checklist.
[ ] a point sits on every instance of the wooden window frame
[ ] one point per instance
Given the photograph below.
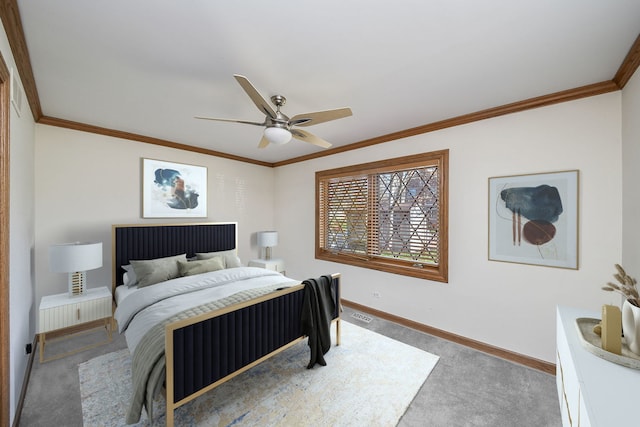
(437, 272)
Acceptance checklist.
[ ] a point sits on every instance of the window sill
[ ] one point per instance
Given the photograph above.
(438, 274)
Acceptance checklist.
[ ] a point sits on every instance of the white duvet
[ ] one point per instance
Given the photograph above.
(142, 309)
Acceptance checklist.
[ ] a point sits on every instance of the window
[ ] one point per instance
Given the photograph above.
(389, 215)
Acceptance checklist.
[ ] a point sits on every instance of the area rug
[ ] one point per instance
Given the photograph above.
(369, 380)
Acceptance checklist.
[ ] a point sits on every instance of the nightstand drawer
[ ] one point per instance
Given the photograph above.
(274, 264)
(67, 315)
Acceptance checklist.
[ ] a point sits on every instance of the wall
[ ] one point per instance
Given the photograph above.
(631, 176)
(87, 182)
(507, 305)
(21, 238)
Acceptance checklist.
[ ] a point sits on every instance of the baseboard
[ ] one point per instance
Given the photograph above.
(521, 359)
(25, 382)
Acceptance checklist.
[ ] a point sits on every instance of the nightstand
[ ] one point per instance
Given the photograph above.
(63, 314)
(274, 264)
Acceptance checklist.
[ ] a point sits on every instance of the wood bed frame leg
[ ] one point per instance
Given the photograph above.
(169, 417)
(169, 397)
(338, 331)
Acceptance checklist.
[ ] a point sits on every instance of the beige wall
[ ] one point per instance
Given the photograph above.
(511, 306)
(631, 176)
(86, 182)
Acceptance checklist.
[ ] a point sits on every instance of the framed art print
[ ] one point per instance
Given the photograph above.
(173, 190)
(533, 219)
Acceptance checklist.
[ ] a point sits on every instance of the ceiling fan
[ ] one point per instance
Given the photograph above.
(279, 128)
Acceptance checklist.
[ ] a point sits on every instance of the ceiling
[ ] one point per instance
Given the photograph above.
(147, 67)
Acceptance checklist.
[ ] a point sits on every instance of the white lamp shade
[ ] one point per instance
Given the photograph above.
(267, 239)
(278, 136)
(72, 257)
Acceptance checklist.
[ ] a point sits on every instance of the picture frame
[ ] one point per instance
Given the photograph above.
(173, 190)
(533, 219)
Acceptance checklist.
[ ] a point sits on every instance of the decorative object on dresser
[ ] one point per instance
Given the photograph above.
(589, 336)
(75, 259)
(267, 240)
(611, 329)
(63, 314)
(630, 307)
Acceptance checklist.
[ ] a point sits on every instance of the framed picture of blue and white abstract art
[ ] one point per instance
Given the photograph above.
(533, 219)
(173, 190)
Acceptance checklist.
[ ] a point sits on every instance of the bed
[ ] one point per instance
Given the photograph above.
(192, 351)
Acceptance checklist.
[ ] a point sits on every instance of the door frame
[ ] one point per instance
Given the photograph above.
(4, 243)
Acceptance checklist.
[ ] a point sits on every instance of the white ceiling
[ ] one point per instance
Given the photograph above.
(149, 66)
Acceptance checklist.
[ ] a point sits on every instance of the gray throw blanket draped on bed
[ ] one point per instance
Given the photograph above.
(148, 362)
(317, 312)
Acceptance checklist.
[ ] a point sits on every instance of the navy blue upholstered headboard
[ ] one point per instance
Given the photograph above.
(140, 242)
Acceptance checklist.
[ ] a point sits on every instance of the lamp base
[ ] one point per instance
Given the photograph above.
(267, 253)
(77, 283)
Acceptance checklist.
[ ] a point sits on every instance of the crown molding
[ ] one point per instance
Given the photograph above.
(10, 16)
(527, 104)
(629, 65)
(68, 124)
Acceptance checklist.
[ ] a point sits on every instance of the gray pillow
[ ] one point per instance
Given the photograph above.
(189, 268)
(230, 257)
(152, 271)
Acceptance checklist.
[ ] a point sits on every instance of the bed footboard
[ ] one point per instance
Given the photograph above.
(206, 351)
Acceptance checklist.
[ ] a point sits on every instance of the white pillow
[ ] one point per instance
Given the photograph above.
(129, 277)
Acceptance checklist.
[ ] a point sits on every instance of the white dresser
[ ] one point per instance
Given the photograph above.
(65, 314)
(592, 391)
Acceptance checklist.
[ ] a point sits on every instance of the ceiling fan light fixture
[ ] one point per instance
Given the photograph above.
(277, 135)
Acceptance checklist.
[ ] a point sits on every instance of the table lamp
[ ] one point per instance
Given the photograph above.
(75, 259)
(267, 239)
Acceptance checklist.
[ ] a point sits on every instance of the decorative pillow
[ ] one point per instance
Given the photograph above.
(129, 277)
(189, 268)
(230, 257)
(150, 272)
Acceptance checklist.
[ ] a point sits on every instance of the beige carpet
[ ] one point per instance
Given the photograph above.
(369, 380)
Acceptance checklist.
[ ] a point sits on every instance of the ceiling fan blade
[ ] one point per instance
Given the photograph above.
(263, 142)
(305, 136)
(255, 96)
(231, 120)
(308, 119)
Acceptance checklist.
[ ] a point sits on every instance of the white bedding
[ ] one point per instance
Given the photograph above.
(141, 309)
(124, 291)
